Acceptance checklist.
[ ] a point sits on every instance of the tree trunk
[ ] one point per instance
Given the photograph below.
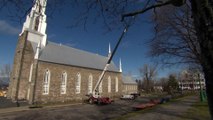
(202, 11)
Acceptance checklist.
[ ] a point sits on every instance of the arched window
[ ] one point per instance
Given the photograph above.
(63, 82)
(109, 84)
(100, 86)
(46, 82)
(116, 84)
(78, 84)
(36, 23)
(90, 80)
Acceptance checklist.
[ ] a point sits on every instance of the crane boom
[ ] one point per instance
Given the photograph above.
(95, 90)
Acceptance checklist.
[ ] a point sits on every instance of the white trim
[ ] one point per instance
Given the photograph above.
(63, 83)
(28, 93)
(78, 83)
(116, 84)
(109, 84)
(46, 84)
(90, 84)
(37, 51)
(31, 70)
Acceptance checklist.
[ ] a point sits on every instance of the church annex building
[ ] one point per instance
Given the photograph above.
(44, 71)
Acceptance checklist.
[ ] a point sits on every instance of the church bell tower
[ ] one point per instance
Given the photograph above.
(23, 77)
(36, 24)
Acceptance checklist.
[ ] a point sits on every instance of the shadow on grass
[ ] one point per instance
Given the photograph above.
(178, 109)
(198, 111)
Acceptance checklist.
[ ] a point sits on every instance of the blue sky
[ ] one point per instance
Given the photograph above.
(132, 51)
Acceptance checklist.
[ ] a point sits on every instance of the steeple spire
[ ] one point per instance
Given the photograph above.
(36, 24)
(120, 66)
(40, 6)
(109, 54)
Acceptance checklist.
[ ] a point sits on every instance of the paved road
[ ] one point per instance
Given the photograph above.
(6, 103)
(94, 112)
(74, 112)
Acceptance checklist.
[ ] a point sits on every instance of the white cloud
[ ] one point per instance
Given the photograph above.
(6, 28)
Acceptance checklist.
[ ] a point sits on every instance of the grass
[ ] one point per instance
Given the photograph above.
(198, 111)
(134, 113)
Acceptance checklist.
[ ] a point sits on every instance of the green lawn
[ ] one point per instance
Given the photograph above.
(199, 111)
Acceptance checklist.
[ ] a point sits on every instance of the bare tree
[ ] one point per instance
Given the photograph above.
(163, 82)
(202, 14)
(5, 70)
(140, 85)
(175, 38)
(148, 73)
(5, 74)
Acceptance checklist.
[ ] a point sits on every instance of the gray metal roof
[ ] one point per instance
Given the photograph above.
(62, 54)
(128, 80)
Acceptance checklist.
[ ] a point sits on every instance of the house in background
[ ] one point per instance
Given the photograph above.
(4, 82)
(191, 80)
(129, 85)
(3, 91)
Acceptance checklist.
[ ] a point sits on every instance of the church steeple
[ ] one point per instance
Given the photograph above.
(36, 24)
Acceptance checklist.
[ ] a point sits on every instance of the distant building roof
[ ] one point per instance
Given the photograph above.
(128, 80)
(62, 54)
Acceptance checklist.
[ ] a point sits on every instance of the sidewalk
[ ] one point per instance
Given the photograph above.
(13, 109)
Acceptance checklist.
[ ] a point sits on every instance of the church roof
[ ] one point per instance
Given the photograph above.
(127, 79)
(63, 54)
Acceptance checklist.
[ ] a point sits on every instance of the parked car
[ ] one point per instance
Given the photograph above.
(135, 94)
(127, 97)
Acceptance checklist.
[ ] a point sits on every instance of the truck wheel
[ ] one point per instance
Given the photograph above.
(90, 101)
(99, 102)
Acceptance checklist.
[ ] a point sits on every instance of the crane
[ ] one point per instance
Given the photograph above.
(95, 96)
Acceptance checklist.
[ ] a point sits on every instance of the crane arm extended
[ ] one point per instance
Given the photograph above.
(95, 90)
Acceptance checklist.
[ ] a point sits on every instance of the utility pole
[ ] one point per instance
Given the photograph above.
(201, 91)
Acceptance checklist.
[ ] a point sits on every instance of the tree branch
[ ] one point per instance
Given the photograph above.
(145, 9)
